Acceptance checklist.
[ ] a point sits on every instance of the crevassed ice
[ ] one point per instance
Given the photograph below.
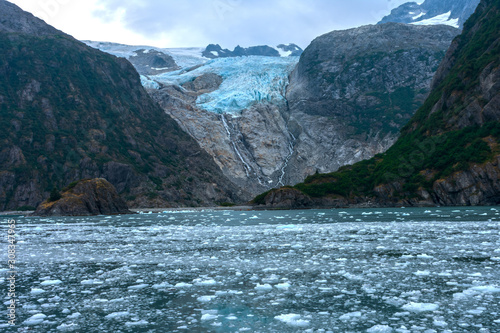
(246, 81)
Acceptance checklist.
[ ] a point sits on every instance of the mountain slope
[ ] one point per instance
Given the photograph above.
(449, 12)
(353, 90)
(68, 112)
(447, 154)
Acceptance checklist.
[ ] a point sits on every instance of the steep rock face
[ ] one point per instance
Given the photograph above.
(87, 197)
(448, 154)
(353, 90)
(251, 149)
(429, 10)
(70, 112)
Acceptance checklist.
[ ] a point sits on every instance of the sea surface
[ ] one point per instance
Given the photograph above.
(354, 270)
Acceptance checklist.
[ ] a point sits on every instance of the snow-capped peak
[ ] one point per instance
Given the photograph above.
(439, 19)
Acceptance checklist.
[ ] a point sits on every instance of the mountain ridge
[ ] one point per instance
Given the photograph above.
(214, 51)
(70, 112)
(450, 12)
(447, 154)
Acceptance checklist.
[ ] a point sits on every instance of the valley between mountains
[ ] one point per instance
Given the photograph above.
(208, 126)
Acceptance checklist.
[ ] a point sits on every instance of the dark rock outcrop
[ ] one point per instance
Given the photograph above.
(214, 51)
(85, 198)
(204, 84)
(287, 198)
(152, 62)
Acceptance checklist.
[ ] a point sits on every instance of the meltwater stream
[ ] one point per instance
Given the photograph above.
(384, 270)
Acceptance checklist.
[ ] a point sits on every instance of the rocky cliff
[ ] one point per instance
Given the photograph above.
(250, 149)
(68, 112)
(353, 90)
(85, 198)
(448, 153)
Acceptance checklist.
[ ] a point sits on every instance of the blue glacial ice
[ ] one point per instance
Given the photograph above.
(247, 81)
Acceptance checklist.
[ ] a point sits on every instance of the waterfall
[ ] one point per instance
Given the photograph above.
(247, 167)
(291, 149)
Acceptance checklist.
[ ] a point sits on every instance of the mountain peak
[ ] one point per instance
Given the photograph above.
(433, 12)
(14, 20)
(213, 51)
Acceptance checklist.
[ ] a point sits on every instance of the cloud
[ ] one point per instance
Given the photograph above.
(243, 22)
(187, 23)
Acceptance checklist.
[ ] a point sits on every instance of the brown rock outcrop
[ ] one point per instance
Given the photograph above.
(88, 197)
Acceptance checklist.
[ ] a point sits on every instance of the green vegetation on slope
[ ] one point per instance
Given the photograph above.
(68, 112)
(414, 160)
(429, 148)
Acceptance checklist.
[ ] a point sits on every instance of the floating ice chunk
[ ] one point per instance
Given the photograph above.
(138, 287)
(136, 323)
(263, 287)
(440, 323)
(350, 316)
(292, 320)
(206, 299)
(486, 289)
(183, 285)
(118, 315)
(35, 319)
(422, 273)
(37, 291)
(288, 227)
(380, 329)
(205, 283)
(477, 311)
(91, 282)
(271, 279)
(420, 307)
(50, 282)
(162, 285)
(68, 327)
(208, 316)
(74, 315)
(283, 286)
(424, 256)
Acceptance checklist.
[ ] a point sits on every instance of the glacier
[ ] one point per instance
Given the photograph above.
(246, 81)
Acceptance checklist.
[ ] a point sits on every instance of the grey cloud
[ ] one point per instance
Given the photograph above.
(244, 22)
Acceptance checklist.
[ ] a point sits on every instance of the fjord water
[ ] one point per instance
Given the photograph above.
(357, 270)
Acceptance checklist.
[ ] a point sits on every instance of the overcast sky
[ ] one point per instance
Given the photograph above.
(184, 23)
